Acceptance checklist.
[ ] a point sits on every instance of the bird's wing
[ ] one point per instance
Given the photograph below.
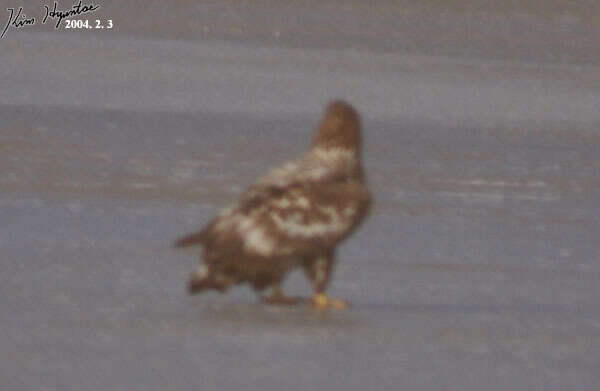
(284, 221)
(298, 183)
(225, 228)
(304, 218)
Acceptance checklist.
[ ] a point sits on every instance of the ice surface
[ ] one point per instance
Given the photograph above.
(478, 269)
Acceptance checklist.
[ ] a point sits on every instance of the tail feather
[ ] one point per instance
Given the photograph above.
(196, 285)
(202, 280)
(194, 239)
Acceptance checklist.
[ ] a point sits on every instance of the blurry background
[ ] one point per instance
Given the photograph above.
(477, 270)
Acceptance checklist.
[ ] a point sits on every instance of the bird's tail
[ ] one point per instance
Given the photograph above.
(200, 279)
(194, 239)
(196, 285)
(203, 278)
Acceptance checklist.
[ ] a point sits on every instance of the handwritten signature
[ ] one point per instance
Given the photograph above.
(77, 9)
(20, 19)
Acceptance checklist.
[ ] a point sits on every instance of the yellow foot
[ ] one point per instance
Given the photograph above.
(320, 300)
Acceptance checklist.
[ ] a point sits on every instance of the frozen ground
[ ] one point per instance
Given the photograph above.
(478, 269)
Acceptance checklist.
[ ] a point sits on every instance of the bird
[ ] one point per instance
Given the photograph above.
(294, 217)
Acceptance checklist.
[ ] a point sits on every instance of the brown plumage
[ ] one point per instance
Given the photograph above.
(293, 217)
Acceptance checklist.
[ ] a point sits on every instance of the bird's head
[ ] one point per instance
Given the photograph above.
(339, 128)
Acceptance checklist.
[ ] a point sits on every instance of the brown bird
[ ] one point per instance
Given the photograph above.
(293, 217)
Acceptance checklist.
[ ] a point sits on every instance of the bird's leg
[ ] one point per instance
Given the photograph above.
(277, 297)
(319, 271)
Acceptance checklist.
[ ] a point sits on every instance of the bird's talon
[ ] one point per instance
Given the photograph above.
(320, 300)
(338, 304)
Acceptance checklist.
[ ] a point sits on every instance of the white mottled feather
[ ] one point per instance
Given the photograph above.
(294, 227)
(318, 165)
